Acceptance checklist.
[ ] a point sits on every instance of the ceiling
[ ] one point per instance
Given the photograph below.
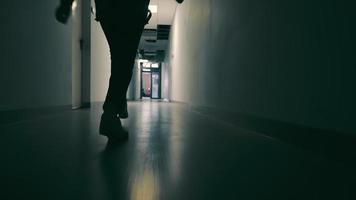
(165, 13)
(164, 16)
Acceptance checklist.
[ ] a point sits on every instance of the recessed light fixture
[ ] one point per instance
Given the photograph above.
(153, 8)
(155, 65)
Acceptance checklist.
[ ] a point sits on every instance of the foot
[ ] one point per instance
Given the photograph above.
(123, 114)
(110, 126)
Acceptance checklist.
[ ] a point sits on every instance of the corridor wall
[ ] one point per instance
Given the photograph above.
(290, 61)
(35, 56)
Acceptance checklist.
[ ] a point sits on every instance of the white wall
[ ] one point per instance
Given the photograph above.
(133, 92)
(290, 61)
(100, 62)
(35, 56)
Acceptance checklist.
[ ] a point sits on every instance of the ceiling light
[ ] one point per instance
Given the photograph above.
(143, 60)
(153, 8)
(74, 5)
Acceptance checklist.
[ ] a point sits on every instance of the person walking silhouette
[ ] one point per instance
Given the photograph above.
(122, 23)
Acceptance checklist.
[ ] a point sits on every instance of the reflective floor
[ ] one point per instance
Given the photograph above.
(173, 153)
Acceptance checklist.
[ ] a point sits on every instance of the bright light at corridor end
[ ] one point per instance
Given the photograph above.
(153, 8)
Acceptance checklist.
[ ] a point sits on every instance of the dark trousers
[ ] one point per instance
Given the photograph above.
(123, 26)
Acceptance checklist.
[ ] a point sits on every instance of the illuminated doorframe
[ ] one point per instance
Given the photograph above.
(147, 68)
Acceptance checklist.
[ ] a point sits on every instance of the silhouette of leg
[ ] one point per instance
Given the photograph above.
(123, 37)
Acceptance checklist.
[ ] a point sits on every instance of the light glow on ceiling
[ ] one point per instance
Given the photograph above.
(153, 8)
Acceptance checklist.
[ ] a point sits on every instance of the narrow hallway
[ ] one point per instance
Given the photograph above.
(174, 152)
(228, 100)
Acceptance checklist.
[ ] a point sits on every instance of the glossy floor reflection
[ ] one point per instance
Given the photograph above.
(172, 153)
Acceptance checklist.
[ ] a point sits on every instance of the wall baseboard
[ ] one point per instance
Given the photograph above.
(11, 116)
(84, 105)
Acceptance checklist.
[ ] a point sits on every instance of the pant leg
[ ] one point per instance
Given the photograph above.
(123, 40)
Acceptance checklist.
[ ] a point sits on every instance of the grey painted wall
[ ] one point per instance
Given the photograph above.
(77, 55)
(291, 61)
(86, 51)
(165, 81)
(35, 55)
